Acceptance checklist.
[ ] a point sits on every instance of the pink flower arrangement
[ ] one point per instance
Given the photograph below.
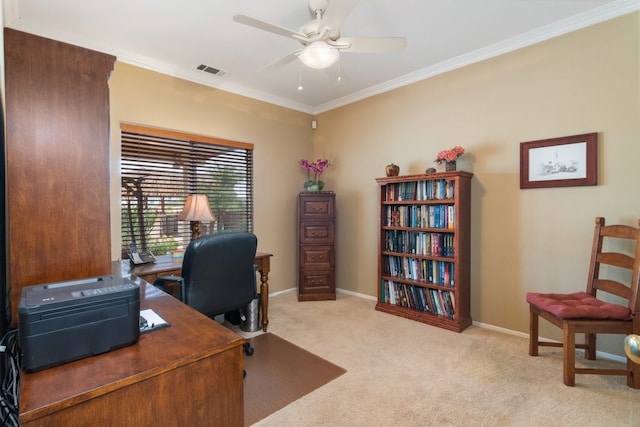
(316, 168)
(449, 155)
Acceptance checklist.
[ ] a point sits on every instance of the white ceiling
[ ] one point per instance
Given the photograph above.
(175, 37)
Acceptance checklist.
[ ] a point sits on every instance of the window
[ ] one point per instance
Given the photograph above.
(160, 168)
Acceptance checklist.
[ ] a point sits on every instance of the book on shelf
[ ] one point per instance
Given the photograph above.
(449, 189)
(404, 295)
(449, 304)
(444, 306)
(428, 189)
(419, 243)
(435, 299)
(425, 216)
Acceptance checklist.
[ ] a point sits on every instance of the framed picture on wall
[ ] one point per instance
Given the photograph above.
(566, 161)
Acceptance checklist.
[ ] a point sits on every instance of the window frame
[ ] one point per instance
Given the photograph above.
(218, 154)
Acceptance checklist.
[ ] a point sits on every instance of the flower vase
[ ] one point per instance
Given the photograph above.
(450, 166)
(313, 185)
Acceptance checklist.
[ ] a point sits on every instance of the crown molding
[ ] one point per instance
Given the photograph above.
(214, 82)
(591, 17)
(565, 26)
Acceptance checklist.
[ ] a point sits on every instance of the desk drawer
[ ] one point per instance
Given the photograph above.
(151, 277)
(172, 288)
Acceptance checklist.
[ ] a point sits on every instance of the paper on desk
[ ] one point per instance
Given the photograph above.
(153, 320)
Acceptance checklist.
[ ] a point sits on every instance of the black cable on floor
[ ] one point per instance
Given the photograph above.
(10, 385)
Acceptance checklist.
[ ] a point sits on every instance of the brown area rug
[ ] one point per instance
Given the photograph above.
(279, 373)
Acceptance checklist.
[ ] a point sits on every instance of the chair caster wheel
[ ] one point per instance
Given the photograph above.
(248, 350)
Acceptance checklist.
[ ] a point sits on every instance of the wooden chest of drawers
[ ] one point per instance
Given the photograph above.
(316, 237)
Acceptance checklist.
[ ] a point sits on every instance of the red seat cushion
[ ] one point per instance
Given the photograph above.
(579, 305)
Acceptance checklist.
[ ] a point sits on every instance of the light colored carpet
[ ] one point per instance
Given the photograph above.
(405, 373)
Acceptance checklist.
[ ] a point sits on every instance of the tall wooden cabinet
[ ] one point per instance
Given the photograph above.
(424, 248)
(316, 253)
(57, 154)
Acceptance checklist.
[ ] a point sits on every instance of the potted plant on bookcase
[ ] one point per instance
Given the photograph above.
(314, 173)
(449, 157)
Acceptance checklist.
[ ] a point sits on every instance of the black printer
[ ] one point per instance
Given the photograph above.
(65, 321)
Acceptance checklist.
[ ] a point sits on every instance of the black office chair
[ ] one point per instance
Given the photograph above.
(218, 274)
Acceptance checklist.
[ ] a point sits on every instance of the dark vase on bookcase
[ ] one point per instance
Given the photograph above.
(424, 248)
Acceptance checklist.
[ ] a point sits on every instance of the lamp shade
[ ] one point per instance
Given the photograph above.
(196, 208)
(319, 55)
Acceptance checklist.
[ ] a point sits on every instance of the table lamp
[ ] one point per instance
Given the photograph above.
(196, 209)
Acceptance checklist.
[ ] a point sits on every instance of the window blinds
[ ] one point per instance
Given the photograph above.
(160, 168)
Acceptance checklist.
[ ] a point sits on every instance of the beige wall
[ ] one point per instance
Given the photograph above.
(281, 137)
(522, 240)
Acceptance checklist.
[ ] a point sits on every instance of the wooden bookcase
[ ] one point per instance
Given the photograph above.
(424, 248)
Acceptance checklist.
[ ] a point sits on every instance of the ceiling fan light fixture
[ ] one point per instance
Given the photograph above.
(319, 55)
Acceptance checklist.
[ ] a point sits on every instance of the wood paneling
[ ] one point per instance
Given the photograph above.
(57, 144)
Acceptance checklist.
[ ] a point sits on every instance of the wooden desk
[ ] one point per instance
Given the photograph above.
(168, 266)
(189, 373)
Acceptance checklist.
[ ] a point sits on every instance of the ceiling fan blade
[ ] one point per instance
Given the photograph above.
(272, 28)
(334, 16)
(371, 44)
(280, 62)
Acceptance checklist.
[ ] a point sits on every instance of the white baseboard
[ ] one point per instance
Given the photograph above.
(356, 294)
(338, 290)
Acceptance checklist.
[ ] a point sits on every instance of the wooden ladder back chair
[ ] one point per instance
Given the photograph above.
(586, 312)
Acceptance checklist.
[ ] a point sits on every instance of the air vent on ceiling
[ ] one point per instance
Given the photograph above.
(211, 70)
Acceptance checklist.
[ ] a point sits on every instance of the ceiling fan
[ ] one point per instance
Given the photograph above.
(321, 39)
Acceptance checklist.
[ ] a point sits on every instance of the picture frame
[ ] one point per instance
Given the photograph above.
(567, 161)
